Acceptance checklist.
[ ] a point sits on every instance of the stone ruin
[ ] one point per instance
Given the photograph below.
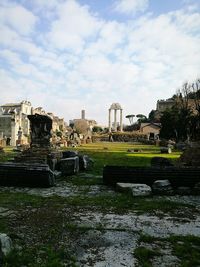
(191, 155)
(41, 164)
(40, 150)
(162, 177)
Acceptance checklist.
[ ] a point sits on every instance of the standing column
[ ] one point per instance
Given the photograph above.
(121, 126)
(13, 133)
(115, 120)
(109, 120)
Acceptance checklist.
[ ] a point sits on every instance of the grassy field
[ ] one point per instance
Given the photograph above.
(45, 222)
(117, 154)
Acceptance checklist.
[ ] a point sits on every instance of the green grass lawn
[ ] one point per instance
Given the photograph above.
(117, 154)
(42, 218)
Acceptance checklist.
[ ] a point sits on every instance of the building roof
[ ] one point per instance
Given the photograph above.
(115, 106)
(11, 105)
(145, 124)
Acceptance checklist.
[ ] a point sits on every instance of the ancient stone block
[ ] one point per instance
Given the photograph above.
(5, 244)
(85, 162)
(26, 174)
(69, 154)
(135, 189)
(69, 166)
(183, 190)
(162, 187)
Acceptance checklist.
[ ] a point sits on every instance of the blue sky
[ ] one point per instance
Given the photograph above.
(69, 55)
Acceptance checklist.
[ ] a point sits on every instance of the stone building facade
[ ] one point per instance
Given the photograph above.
(14, 124)
(151, 130)
(58, 124)
(163, 105)
(87, 124)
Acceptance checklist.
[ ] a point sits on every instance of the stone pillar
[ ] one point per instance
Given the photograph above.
(13, 133)
(83, 114)
(109, 121)
(115, 120)
(121, 124)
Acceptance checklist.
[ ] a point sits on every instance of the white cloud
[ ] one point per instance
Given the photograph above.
(132, 62)
(44, 4)
(74, 25)
(187, 22)
(11, 57)
(14, 41)
(48, 63)
(131, 6)
(111, 35)
(18, 18)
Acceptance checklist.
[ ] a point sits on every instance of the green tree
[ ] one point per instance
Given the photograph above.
(169, 122)
(141, 118)
(97, 129)
(130, 117)
(181, 121)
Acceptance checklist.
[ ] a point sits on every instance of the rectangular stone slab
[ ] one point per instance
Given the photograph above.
(69, 166)
(26, 174)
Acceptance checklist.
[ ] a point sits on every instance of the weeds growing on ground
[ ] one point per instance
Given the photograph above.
(185, 248)
(41, 218)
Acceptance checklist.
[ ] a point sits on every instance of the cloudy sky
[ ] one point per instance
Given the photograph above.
(68, 55)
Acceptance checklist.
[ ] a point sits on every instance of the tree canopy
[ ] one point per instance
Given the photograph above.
(182, 121)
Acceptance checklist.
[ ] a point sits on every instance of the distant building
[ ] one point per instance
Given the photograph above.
(115, 107)
(163, 105)
(39, 110)
(151, 130)
(14, 124)
(84, 123)
(58, 124)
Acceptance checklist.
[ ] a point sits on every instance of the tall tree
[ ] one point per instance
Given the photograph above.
(196, 119)
(182, 121)
(130, 117)
(141, 118)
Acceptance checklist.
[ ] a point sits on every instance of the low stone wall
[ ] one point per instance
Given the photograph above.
(184, 176)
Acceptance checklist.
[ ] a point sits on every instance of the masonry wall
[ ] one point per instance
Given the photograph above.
(5, 125)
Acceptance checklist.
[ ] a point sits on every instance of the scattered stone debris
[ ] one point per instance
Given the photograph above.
(162, 187)
(136, 190)
(104, 238)
(165, 150)
(184, 190)
(134, 150)
(39, 164)
(5, 244)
